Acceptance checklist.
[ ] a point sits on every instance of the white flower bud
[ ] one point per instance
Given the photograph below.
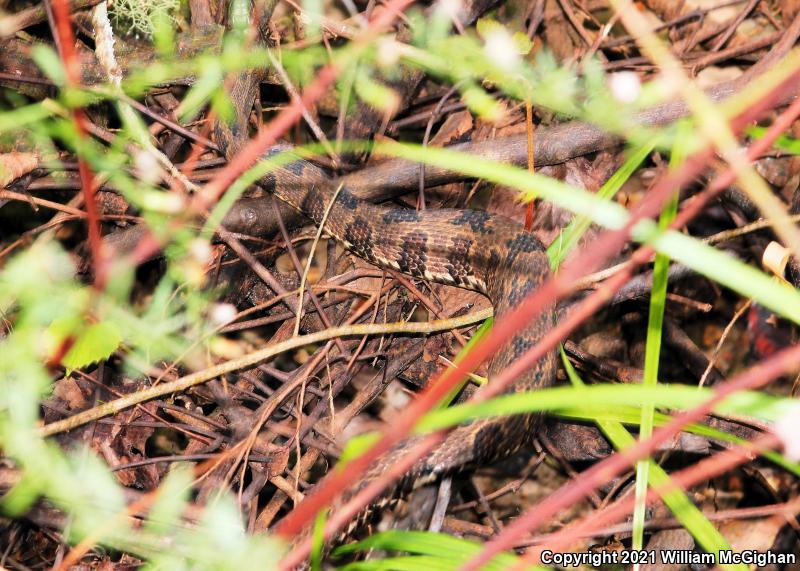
(222, 313)
(625, 86)
(502, 50)
(787, 428)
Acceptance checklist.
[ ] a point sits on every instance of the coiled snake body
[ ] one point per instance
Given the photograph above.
(472, 249)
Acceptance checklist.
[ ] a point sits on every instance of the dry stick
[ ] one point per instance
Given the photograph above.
(723, 39)
(554, 288)
(169, 124)
(258, 268)
(305, 462)
(304, 277)
(754, 226)
(573, 19)
(726, 331)
(11, 195)
(296, 261)
(254, 358)
(695, 14)
(712, 58)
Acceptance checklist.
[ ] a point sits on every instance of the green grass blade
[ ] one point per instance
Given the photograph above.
(571, 235)
(676, 499)
(752, 404)
(431, 551)
(632, 416)
(479, 334)
(784, 143)
(726, 270)
(655, 321)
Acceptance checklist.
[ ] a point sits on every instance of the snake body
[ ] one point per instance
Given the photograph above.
(471, 249)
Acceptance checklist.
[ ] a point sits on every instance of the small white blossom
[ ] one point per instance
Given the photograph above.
(625, 86)
(453, 9)
(170, 203)
(146, 166)
(787, 428)
(502, 50)
(200, 250)
(222, 313)
(388, 53)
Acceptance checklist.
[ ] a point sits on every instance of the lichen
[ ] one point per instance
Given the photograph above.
(137, 17)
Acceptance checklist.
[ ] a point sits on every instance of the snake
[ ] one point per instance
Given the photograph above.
(471, 249)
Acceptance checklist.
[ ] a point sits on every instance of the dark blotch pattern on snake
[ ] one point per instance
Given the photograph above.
(471, 249)
(467, 248)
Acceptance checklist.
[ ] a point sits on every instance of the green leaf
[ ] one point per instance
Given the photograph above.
(376, 94)
(173, 493)
(435, 551)
(164, 34)
(48, 61)
(209, 83)
(95, 343)
(356, 446)
(481, 103)
(784, 143)
(21, 116)
(479, 334)
(318, 540)
(599, 397)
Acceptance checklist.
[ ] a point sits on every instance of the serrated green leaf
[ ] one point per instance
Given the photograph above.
(96, 342)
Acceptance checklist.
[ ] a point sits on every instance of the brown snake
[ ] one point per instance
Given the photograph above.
(471, 249)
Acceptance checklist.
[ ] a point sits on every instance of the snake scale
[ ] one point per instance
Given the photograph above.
(472, 249)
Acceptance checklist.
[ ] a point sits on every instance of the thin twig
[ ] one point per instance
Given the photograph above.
(254, 358)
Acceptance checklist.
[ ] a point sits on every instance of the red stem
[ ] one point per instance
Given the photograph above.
(66, 46)
(684, 479)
